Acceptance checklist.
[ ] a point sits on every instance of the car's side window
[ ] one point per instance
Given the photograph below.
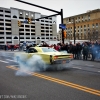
(32, 50)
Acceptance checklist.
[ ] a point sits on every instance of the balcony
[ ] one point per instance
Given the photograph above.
(1, 30)
(8, 30)
(7, 22)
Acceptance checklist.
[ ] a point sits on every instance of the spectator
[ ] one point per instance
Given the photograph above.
(74, 51)
(79, 49)
(70, 47)
(85, 51)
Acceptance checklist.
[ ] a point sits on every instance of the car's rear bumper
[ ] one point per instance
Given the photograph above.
(61, 61)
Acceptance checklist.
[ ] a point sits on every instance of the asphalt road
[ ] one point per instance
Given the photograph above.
(80, 81)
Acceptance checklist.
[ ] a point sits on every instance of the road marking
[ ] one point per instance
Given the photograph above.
(77, 67)
(99, 71)
(89, 65)
(76, 86)
(4, 61)
(11, 60)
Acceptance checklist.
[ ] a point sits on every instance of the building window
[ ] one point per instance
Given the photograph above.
(31, 15)
(27, 33)
(42, 38)
(21, 18)
(42, 30)
(96, 24)
(32, 33)
(21, 37)
(47, 34)
(88, 17)
(27, 37)
(21, 33)
(32, 37)
(50, 34)
(1, 15)
(79, 19)
(7, 24)
(1, 10)
(8, 37)
(26, 14)
(7, 11)
(8, 33)
(1, 28)
(21, 13)
(92, 25)
(7, 16)
(50, 37)
(14, 16)
(38, 37)
(84, 26)
(42, 34)
(8, 20)
(1, 33)
(15, 37)
(1, 19)
(1, 37)
(76, 19)
(82, 18)
(32, 26)
(47, 38)
(28, 29)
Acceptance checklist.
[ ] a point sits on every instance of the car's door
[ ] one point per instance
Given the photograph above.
(31, 52)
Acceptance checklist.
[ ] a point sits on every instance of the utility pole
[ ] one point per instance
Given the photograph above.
(62, 23)
(74, 30)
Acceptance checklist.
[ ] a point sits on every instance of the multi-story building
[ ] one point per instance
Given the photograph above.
(37, 31)
(86, 26)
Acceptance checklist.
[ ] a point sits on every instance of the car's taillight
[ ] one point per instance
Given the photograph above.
(55, 57)
(71, 56)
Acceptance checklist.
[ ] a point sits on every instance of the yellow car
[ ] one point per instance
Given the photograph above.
(48, 55)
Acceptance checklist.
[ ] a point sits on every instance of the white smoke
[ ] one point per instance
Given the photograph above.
(33, 64)
(36, 64)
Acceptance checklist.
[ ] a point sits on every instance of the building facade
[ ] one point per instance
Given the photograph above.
(37, 31)
(86, 26)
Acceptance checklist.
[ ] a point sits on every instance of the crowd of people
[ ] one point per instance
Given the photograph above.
(86, 49)
(79, 50)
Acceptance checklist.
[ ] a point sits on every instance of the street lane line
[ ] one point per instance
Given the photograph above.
(89, 65)
(11, 60)
(99, 71)
(77, 67)
(4, 61)
(76, 86)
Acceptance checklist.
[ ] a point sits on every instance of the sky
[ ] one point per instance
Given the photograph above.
(70, 7)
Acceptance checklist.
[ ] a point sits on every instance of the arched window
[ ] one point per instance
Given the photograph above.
(54, 22)
(38, 37)
(14, 16)
(15, 37)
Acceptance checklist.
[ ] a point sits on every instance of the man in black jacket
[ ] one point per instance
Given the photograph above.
(79, 49)
(74, 51)
(85, 51)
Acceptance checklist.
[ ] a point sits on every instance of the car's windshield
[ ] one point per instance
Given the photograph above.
(49, 50)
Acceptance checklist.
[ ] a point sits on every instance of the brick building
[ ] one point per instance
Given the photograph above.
(86, 26)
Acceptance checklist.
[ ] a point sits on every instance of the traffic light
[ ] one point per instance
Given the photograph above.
(29, 20)
(65, 35)
(19, 23)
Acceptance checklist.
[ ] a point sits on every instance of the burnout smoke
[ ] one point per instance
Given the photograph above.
(34, 64)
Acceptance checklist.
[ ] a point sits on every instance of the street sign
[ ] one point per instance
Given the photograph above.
(62, 26)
